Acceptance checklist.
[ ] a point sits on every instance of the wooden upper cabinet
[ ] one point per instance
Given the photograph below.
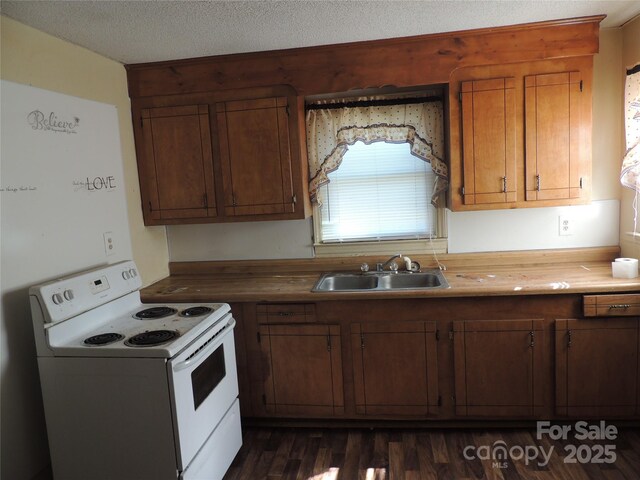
(520, 135)
(553, 126)
(499, 368)
(597, 367)
(256, 156)
(175, 164)
(395, 368)
(242, 151)
(489, 141)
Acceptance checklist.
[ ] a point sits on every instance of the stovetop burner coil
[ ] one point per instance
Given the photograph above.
(154, 312)
(195, 311)
(103, 339)
(152, 338)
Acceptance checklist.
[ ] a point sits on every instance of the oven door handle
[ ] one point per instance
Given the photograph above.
(205, 348)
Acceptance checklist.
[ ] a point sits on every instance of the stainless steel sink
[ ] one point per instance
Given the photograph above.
(342, 282)
(380, 281)
(421, 280)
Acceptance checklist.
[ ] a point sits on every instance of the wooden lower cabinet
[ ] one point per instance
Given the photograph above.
(499, 368)
(376, 361)
(597, 367)
(395, 368)
(302, 366)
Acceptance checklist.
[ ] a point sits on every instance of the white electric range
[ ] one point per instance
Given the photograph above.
(132, 390)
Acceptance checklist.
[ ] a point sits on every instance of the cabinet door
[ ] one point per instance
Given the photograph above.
(176, 172)
(498, 367)
(597, 367)
(303, 369)
(553, 123)
(395, 368)
(489, 141)
(256, 156)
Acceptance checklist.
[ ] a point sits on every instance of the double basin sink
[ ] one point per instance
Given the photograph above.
(380, 281)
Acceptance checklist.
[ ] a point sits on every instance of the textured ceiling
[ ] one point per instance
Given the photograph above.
(146, 31)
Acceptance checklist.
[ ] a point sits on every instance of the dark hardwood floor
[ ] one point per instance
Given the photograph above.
(390, 454)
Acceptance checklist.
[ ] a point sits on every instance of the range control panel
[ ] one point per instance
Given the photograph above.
(74, 294)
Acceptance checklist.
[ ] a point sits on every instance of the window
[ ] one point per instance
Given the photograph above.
(377, 168)
(380, 193)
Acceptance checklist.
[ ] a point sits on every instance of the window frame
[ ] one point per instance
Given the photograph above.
(437, 244)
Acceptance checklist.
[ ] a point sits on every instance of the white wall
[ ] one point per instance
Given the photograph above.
(593, 225)
(530, 228)
(241, 241)
(629, 219)
(62, 189)
(31, 57)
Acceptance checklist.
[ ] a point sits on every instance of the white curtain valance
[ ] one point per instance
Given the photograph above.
(630, 174)
(330, 131)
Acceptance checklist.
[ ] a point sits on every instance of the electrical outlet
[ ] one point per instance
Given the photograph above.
(109, 247)
(565, 225)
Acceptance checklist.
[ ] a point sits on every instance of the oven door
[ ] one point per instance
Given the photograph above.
(204, 385)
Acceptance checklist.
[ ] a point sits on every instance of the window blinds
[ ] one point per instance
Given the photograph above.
(380, 192)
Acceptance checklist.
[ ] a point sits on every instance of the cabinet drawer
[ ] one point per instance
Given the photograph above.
(621, 305)
(286, 313)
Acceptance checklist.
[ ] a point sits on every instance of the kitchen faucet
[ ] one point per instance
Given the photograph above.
(380, 266)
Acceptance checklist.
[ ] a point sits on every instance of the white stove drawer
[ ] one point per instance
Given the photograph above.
(213, 460)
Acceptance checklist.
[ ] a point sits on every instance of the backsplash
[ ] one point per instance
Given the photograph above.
(594, 225)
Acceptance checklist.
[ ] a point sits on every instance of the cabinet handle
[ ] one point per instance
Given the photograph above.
(328, 343)
(622, 306)
(285, 314)
(504, 184)
(538, 183)
(531, 339)
(233, 198)
(569, 338)
(362, 340)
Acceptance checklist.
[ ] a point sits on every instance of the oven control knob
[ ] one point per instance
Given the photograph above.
(57, 298)
(133, 273)
(68, 294)
(126, 275)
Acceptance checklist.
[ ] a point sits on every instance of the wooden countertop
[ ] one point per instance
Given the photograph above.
(499, 280)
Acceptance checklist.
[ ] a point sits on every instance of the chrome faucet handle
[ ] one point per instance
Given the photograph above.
(364, 267)
(393, 267)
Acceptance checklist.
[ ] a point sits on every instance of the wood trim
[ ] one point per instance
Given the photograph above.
(358, 368)
(408, 61)
(225, 159)
(561, 329)
(285, 155)
(152, 208)
(433, 385)
(468, 261)
(286, 313)
(460, 378)
(622, 305)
